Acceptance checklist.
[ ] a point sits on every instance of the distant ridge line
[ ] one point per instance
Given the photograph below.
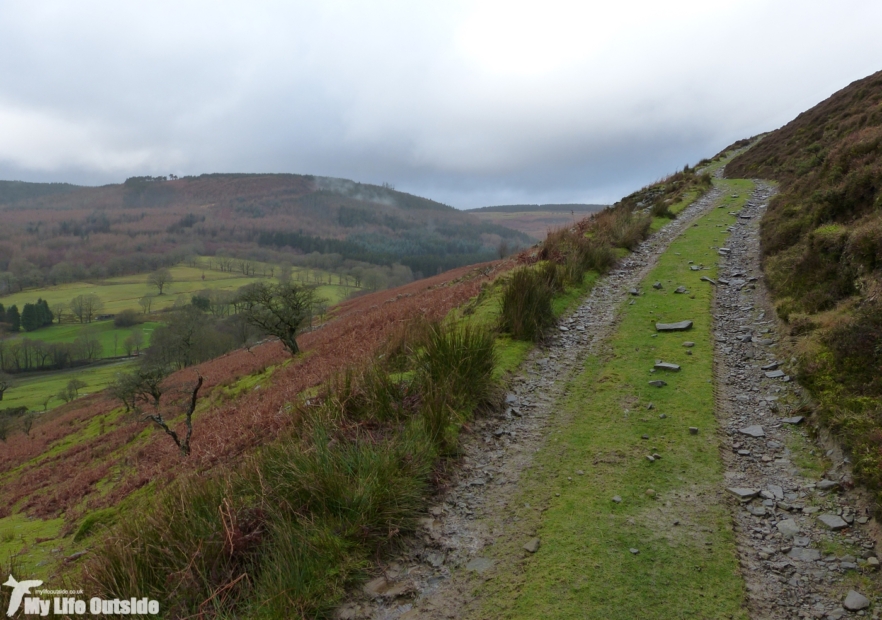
(551, 208)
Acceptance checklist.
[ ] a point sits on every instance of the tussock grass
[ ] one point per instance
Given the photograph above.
(288, 532)
(526, 305)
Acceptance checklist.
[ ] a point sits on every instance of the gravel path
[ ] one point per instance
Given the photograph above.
(804, 538)
(426, 580)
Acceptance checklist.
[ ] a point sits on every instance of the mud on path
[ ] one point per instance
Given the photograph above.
(434, 577)
(804, 535)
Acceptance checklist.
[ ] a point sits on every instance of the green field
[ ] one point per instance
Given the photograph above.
(32, 389)
(111, 337)
(123, 293)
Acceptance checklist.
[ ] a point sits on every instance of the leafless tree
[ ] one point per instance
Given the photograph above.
(159, 279)
(86, 307)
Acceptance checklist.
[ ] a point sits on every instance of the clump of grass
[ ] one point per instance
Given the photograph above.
(526, 305)
(460, 360)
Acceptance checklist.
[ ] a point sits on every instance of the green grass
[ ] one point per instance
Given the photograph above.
(21, 536)
(124, 292)
(31, 389)
(584, 568)
(111, 337)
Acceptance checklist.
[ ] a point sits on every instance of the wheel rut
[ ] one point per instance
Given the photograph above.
(804, 534)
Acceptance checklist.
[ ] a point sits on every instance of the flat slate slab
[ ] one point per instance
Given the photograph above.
(673, 327)
(772, 366)
(743, 493)
(804, 555)
(797, 419)
(774, 374)
(826, 485)
(706, 279)
(680, 290)
(667, 366)
(753, 431)
(658, 383)
(834, 522)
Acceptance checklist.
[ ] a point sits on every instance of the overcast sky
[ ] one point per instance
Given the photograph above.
(469, 103)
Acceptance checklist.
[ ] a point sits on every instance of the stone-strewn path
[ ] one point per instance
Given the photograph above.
(803, 539)
(426, 582)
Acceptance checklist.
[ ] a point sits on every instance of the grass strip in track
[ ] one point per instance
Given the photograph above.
(671, 510)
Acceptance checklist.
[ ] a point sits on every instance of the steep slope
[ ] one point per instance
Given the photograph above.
(821, 242)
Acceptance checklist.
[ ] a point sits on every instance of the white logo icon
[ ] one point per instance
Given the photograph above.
(19, 589)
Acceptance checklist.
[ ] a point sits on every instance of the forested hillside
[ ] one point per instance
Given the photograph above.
(58, 233)
(822, 252)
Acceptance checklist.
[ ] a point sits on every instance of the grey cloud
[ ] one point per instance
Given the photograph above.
(460, 102)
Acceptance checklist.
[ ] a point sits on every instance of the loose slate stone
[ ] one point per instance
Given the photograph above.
(688, 344)
(742, 493)
(634, 292)
(802, 554)
(673, 327)
(680, 290)
(772, 366)
(657, 383)
(723, 282)
(706, 279)
(788, 528)
(826, 485)
(775, 374)
(617, 499)
(695, 268)
(753, 431)
(834, 522)
(667, 366)
(634, 551)
(479, 565)
(855, 601)
(693, 430)
(532, 545)
(794, 420)
(657, 285)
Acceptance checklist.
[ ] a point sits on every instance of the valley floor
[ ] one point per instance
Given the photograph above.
(595, 494)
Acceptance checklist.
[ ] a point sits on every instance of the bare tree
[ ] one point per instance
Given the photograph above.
(146, 303)
(28, 421)
(145, 386)
(182, 444)
(280, 310)
(132, 344)
(59, 310)
(159, 279)
(5, 383)
(86, 307)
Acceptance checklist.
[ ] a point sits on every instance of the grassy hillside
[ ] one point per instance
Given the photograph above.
(316, 488)
(822, 251)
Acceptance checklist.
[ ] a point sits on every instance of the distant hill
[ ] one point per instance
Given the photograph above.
(55, 232)
(547, 208)
(534, 220)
